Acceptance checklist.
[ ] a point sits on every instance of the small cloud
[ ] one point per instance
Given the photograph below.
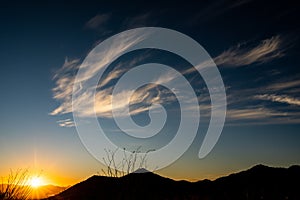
(66, 123)
(98, 21)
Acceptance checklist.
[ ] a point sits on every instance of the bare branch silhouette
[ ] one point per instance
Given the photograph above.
(129, 163)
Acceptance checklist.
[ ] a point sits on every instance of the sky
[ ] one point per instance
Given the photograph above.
(254, 44)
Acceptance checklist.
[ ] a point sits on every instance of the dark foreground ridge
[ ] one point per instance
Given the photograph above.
(259, 182)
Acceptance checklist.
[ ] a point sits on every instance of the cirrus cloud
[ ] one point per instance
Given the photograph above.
(279, 98)
(241, 55)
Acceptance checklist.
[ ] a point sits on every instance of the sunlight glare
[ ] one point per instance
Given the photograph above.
(36, 182)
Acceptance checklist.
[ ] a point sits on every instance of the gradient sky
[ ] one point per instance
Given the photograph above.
(254, 44)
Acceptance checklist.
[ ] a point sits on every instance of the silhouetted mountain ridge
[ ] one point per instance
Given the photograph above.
(259, 182)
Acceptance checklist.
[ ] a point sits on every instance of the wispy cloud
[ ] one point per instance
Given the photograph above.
(279, 98)
(98, 21)
(64, 80)
(262, 104)
(86, 104)
(215, 8)
(250, 107)
(254, 113)
(241, 54)
(144, 19)
(243, 105)
(246, 54)
(260, 116)
(284, 85)
(201, 66)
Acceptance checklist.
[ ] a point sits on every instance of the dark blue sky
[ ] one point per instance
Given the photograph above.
(254, 44)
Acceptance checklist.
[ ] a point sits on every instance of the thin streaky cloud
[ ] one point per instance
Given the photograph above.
(241, 55)
(245, 54)
(284, 85)
(279, 98)
(111, 76)
(119, 69)
(66, 123)
(98, 21)
(215, 9)
(256, 113)
(251, 106)
(145, 19)
(260, 116)
(201, 66)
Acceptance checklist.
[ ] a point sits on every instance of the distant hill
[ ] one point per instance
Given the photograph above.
(45, 191)
(41, 192)
(259, 182)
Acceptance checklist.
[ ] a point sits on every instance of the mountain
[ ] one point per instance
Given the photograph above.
(141, 170)
(259, 182)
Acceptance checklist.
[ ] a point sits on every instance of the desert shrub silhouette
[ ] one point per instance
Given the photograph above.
(16, 185)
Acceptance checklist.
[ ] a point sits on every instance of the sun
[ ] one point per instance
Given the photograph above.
(36, 182)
